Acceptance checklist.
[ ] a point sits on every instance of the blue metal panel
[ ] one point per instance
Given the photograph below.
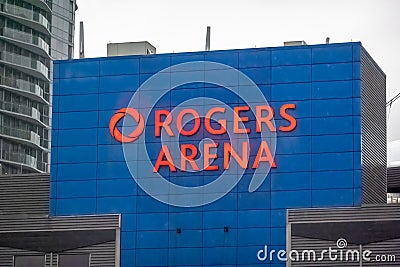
(152, 221)
(79, 86)
(293, 163)
(145, 257)
(68, 172)
(127, 257)
(254, 58)
(290, 56)
(302, 110)
(118, 83)
(115, 205)
(184, 256)
(228, 202)
(291, 74)
(291, 181)
(114, 101)
(332, 161)
(184, 58)
(219, 256)
(336, 89)
(56, 88)
(154, 64)
(152, 239)
(186, 220)
(219, 238)
(254, 201)
(278, 236)
(293, 145)
(303, 127)
(79, 103)
(112, 170)
(329, 125)
(146, 204)
(291, 91)
(128, 222)
(332, 198)
(76, 206)
(332, 107)
(119, 66)
(245, 255)
(75, 189)
(219, 219)
(228, 58)
(79, 68)
(109, 153)
(290, 199)
(254, 236)
(128, 240)
(332, 179)
(278, 217)
(257, 76)
(69, 154)
(254, 218)
(116, 187)
(186, 239)
(323, 143)
(78, 120)
(332, 72)
(357, 197)
(332, 54)
(77, 137)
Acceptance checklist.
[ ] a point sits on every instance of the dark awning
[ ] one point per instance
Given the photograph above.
(359, 233)
(55, 241)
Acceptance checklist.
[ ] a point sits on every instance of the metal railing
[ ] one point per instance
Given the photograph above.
(25, 61)
(20, 133)
(21, 109)
(25, 13)
(43, 166)
(20, 158)
(22, 85)
(25, 37)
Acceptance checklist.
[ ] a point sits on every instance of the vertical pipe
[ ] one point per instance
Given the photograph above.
(81, 41)
(208, 38)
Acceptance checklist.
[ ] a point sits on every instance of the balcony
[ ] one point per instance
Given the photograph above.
(26, 38)
(30, 136)
(25, 110)
(25, 86)
(26, 14)
(21, 158)
(25, 62)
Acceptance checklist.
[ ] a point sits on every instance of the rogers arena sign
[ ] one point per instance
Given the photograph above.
(200, 114)
(164, 120)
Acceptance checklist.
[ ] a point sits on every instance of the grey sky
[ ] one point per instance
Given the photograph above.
(180, 26)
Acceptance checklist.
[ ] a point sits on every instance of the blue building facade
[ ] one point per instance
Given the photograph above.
(318, 163)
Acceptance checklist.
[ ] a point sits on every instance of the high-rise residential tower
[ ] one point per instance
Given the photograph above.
(32, 34)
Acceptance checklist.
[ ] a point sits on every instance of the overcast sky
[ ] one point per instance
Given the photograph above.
(180, 26)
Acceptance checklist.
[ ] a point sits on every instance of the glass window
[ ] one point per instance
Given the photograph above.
(76, 260)
(29, 261)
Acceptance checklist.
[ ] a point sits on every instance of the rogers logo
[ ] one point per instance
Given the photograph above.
(118, 116)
